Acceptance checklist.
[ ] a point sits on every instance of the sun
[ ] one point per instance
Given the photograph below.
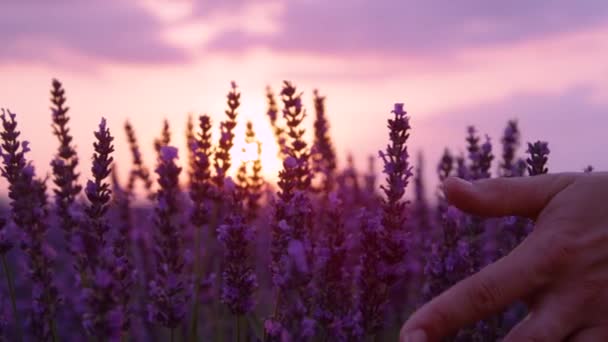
(244, 151)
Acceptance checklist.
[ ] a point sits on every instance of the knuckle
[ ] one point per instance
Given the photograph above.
(591, 289)
(557, 251)
(441, 318)
(484, 297)
(535, 336)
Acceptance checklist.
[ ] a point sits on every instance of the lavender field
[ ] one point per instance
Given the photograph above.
(194, 246)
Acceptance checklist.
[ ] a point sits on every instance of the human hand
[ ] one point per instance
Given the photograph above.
(560, 269)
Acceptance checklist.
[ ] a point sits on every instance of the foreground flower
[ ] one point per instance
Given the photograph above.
(398, 172)
(97, 263)
(239, 279)
(223, 160)
(334, 297)
(539, 152)
(167, 291)
(139, 170)
(510, 144)
(324, 155)
(64, 165)
(28, 204)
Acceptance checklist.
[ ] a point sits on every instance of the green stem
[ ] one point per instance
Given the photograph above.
(238, 328)
(54, 330)
(11, 290)
(197, 279)
(172, 334)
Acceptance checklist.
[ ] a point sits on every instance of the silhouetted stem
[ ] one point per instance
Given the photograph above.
(11, 290)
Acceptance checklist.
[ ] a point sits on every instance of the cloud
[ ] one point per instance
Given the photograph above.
(407, 27)
(113, 31)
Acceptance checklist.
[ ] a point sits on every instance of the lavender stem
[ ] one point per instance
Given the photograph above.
(11, 290)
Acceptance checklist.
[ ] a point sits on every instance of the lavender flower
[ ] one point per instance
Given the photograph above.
(473, 152)
(201, 189)
(324, 155)
(139, 170)
(167, 290)
(202, 194)
(123, 272)
(65, 163)
(370, 177)
(164, 139)
(480, 156)
(334, 297)
(190, 139)
(222, 161)
(294, 114)
(279, 131)
(398, 171)
(98, 192)
(538, 158)
(373, 292)
(444, 170)
(28, 203)
(250, 181)
(239, 278)
(448, 262)
(348, 182)
(291, 252)
(446, 165)
(510, 144)
(97, 262)
(421, 207)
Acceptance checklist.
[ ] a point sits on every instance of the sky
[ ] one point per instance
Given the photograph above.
(453, 64)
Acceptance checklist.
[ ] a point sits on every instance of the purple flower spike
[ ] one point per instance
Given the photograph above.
(510, 144)
(64, 165)
(167, 291)
(398, 172)
(28, 204)
(239, 278)
(539, 152)
(324, 154)
(223, 160)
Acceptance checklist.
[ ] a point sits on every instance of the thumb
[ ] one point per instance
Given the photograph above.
(518, 196)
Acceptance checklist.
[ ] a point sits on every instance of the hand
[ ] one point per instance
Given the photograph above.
(560, 269)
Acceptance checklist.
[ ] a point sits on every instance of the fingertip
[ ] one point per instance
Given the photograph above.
(417, 335)
(454, 187)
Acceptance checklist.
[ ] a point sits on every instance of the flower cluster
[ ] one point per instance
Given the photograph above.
(324, 155)
(279, 131)
(325, 254)
(510, 144)
(537, 161)
(222, 160)
(398, 172)
(239, 279)
(138, 170)
(29, 212)
(297, 148)
(167, 291)
(64, 165)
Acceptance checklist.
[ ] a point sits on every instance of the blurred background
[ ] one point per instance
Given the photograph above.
(453, 63)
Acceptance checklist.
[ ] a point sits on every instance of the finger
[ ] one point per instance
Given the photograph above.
(519, 274)
(520, 196)
(592, 334)
(552, 319)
